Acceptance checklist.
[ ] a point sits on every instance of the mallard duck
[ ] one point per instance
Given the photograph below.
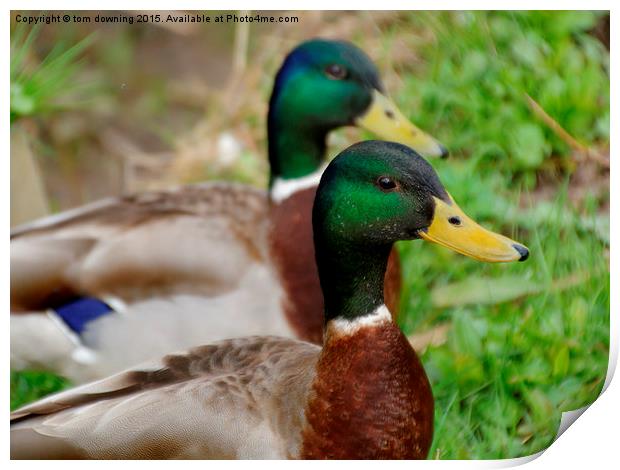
(364, 394)
(123, 280)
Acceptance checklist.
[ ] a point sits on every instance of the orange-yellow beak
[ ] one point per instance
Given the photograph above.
(385, 120)
(452, 228)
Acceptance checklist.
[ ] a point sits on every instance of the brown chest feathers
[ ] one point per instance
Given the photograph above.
(292, 249)
(370, 399)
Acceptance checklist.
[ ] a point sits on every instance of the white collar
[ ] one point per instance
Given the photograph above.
(343, 326)
(283, 189)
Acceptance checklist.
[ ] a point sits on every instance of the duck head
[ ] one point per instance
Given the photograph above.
(323, 85)
(372, 195)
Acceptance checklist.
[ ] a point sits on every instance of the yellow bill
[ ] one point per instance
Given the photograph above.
(453, 229)
(385, 120)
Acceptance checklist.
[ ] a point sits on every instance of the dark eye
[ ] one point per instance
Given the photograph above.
(336, 72)
(386, 183)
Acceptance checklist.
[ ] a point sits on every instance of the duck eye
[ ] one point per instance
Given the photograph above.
(336, 72)
(386, 183)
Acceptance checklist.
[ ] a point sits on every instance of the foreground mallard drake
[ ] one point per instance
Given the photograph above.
(166, 270)
(364, 394)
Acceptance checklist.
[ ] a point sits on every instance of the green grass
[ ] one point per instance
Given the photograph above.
(30, 385)
(528, 340)
(508, 368)
(481, 66)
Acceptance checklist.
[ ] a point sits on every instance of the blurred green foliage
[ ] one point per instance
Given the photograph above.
(29, 385)
(479, 69)
(51, 83)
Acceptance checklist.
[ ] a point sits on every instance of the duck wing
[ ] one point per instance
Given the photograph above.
(196, 239)
(241, 398)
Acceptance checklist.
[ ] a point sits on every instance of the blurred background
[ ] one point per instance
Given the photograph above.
(521, 99)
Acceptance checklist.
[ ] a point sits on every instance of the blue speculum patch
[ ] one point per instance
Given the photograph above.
(78, 313)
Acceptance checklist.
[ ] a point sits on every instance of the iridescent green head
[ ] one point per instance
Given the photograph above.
(372, 195)
(321, 86)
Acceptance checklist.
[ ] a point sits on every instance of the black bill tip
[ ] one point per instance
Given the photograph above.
(443, 152)
(524, 252)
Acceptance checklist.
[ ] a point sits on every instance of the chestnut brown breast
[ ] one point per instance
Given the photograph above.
(370, 399)
(291, 247)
